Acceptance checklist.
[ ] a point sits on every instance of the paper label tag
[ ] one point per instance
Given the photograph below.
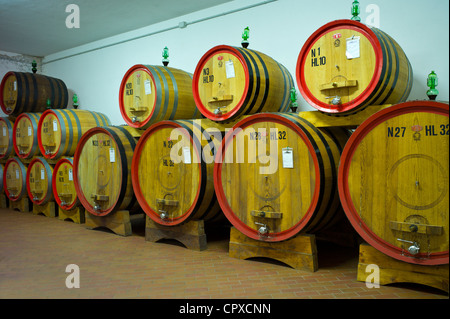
(42, 174)
(4, 130)
(29, 131)
(229, 69)
(15, 86)
(288, 157)
(70, 175)
(187, 155)
(112, 155)
(147, 87)
(17, 174)
(352, 51)
(55, 125)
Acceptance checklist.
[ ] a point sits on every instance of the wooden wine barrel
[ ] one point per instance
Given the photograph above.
(345, 66)
(25, 138)
(27, 92)
(229, 82)
(276, 176)
(6, 138)
(60, 130)
(63, 184)
(14, 183)
(39, 181)
(151, 93)
(172, 171)
(394, 181)
(102, 170)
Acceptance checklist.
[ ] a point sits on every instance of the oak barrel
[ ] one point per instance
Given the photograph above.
(39, 181)
(59, 131)
(14, 175)
(102, 169)
(394, 181)
(276, 176)
(229, 82)
(6, 138)
(27, 92)
(63, 184)
(172, 171)
(345, 66)
(25, 138)
(151, 93)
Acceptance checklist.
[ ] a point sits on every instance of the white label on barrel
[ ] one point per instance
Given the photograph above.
(42, 174)
(70, 175)
(55, 126)
(352, 51)
(112, 155)
(229, 69)
(147, 87)
(15, 86)
(17, 174)
(4, 130)
(29, 130)
(288, 157)
(187, 155)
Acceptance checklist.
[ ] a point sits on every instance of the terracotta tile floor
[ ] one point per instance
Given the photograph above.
(35, 250)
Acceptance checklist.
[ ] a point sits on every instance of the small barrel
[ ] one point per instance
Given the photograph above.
(345, 66)
(25, 138)
(276, 176)
(39, 181)
(151, 93)
(60, 130)
(27, 92)
(102, 169)
(229, 82)
(172, 171)
(394, 181)
(6, 138)
(63, 184)
(14, 176)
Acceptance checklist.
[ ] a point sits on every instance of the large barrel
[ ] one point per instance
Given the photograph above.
(39, 181)
(276, 176)
(102, 170)
(394, 181)
(14, 183)
(229, 82)
(59, 131)
(27, 92)
(25, 138)
(172, 171)
(6, 138)
(63, 184)
(151, 93)
(345, 66)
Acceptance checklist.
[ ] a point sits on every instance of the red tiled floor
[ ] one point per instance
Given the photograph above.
(35, 250)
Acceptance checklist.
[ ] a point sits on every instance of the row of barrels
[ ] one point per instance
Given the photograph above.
(272, 176)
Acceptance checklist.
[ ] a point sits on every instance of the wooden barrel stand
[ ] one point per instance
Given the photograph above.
(48, 209)
(119, 222)
(76, 215)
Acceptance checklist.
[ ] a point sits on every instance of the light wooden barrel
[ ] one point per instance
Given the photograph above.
(27, 92)
(394, 181)
(229, 82)
(102, 170)
(151, 93)
(172, 171)
(14, 183)
(6, 138)
(60, 130)
(25, 138)
(39, 181)
(360, 65)
(292, 189)
(63, 184)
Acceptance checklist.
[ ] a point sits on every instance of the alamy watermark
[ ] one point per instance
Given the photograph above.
(373, 279)
(73, 19)
(73, 280)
